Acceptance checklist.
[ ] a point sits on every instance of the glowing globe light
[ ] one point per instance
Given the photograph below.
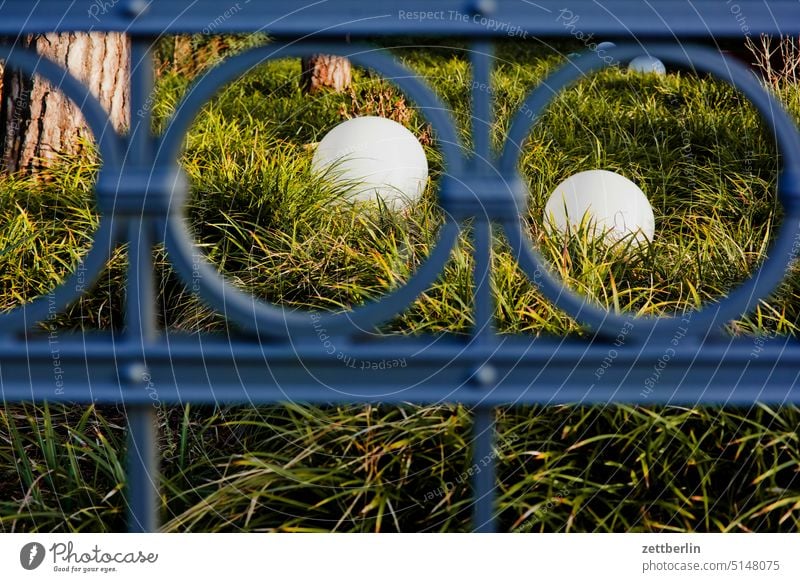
(604, 46)
(611, 204)
(647, 64)
(374, 158)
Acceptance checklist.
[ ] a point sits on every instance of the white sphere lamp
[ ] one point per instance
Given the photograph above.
(374, 158)
(615, 206)
(647, 65)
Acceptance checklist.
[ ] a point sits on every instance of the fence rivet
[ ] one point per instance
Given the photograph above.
(483, 7)
(136, 373)
(486, 375)
(134, 8)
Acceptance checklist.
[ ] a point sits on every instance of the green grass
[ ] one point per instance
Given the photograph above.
(698, 152)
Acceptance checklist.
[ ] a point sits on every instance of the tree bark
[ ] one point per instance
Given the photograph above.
(39, 124)
(321, 71)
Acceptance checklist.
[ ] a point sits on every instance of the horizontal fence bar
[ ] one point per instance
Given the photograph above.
(421, 370)
(498, 19)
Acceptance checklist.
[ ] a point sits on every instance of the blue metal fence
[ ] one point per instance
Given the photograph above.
(277, 356)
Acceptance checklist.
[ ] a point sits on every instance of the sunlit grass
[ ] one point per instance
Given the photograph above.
(259, 214)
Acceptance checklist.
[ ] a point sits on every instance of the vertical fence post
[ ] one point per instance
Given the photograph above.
(484, 479)
(141, 323)
(142, 468)
(142, 456)
(484, 378)
(483, 432)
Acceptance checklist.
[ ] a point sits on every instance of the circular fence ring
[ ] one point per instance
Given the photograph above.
(741, 300)
(249, 312)
(110, 146)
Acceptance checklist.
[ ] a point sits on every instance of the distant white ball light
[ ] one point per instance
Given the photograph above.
(647, 64)
(605, 45)
(614, 205)
(377, 157)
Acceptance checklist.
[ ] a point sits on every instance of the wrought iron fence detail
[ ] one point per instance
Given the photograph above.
(141, 192)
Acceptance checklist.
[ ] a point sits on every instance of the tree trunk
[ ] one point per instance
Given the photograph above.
(38, 124)
(321, 71)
